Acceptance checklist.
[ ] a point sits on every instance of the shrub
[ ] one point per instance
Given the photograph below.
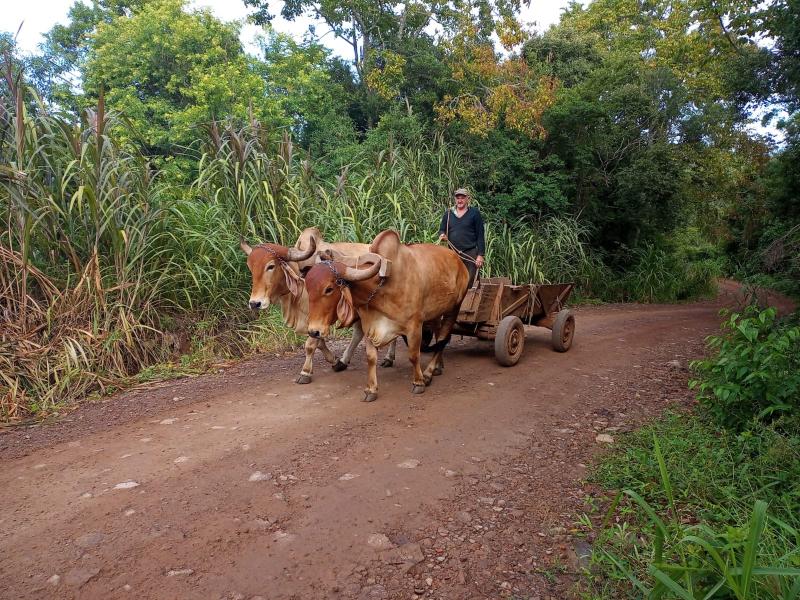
(680, 268)
(754, 371)
(654, 277)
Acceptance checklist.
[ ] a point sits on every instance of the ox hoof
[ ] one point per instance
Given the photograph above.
(427, 378)
(438, 371)
(417, 389)
(370, 396)
(339, 366)
(303, 379)
(387, 362)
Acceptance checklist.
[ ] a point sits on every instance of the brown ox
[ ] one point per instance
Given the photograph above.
(427, 284)
(277, 279)
(312, 235)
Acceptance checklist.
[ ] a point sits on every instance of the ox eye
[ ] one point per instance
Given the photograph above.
(328, 290)
(271, 266)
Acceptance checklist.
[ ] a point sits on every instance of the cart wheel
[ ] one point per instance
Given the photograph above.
(563, 330)
(509, 341)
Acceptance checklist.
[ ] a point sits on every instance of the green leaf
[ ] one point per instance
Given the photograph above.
(670, 583)
(751, 548)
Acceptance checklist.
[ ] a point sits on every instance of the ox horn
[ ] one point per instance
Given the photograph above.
(245, 247)
(297, 255)
(353, 274)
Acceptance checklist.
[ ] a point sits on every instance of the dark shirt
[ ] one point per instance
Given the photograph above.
(465, 233)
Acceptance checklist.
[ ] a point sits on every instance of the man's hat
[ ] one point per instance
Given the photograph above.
(461, 192)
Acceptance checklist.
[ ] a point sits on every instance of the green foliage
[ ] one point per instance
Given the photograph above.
(170, 72)
(630, 116)
(514, 179)
(702, 515)
(673, 271)
(611, 133)
(767, 247)
(65, 48)
(754, 371)
(300, 80)
(78, 293)
(706, 513)
(565, 53)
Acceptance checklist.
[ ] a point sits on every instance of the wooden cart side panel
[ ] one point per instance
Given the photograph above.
(495, 280)
(493, 301)
(516, 301)
(469, 306)
(553, 296)
(480, 302)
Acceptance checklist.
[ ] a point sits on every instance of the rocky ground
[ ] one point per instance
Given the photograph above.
(509, 529)
(242, 484)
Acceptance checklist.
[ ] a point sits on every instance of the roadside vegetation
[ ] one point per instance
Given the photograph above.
(708, 504)
(607, 150)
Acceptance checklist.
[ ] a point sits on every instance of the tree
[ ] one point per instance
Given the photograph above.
(171, 71)
(693, 39)
(395, 56)
(305, 82)
(514, 178)
(785, 27)
(613, 133)
(492, 90)
(368, 26)
(564, 54)
(55, 71)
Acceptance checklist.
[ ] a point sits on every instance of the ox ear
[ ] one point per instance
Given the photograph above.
(291, 280)
(344, 309)
(245, 247)
(325, 254)
(387, 244)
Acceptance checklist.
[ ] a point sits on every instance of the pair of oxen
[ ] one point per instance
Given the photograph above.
(384, 290)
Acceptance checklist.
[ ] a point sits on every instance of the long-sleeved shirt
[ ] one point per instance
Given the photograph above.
(465, 232)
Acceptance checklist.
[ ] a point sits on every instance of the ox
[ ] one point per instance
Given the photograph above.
(312, 235)
(426, 285)
(277, 279)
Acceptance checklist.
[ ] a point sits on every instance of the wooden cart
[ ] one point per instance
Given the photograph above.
(495, 309)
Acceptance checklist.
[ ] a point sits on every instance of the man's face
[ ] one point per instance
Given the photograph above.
(461, 201)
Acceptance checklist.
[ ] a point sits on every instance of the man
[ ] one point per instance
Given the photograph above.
(462, 227)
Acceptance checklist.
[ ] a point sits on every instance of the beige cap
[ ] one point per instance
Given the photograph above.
(461, 192)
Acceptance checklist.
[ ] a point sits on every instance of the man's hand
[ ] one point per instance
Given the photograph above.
(442, 236)
(479, 262)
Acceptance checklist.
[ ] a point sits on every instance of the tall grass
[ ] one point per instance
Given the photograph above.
(273, 194)
(701, 514)
(77, 296)
(669, 271)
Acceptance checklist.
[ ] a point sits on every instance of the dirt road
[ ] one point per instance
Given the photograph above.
(243, 484)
